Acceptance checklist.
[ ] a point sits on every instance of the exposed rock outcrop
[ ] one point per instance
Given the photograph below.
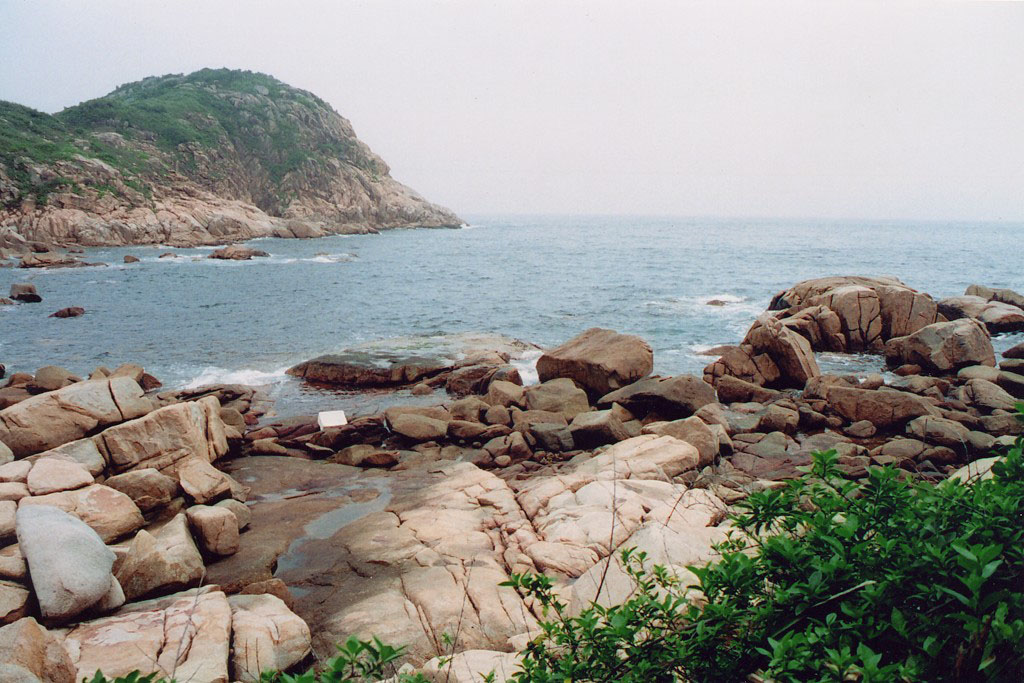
(598, 360)
(247, 156)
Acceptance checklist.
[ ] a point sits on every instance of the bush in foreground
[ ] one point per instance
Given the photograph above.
(824, 580)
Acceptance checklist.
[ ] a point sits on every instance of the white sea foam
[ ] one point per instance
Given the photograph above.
(248, 376)
(730, 305)
(526, 364)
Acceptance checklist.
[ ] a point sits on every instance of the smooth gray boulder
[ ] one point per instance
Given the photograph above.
(68, 562)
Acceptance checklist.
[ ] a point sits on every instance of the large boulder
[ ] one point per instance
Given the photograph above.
(598, 360)
(31, 654)
(110, 513)
(772, 354)
(986, 395)
(939, 431)
(881, 407)
(57, 417)
(236, 252)
(943, 347)
(597, 428)
(1005, 296)
(995, 316)
(202, 482)
(163, 438)
(419, 427)
(265, 635)
(164, 560)
(14, 601)
(216, 529)
(668, 397)
(25, 292)
(557, 396)
(69, 564)
(188, 634)
(472, 361)
(869, 311)
(791, 353)
(147, 487)
(54, 473)
(692, 430)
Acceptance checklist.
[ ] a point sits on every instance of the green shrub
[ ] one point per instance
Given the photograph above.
(823, 580)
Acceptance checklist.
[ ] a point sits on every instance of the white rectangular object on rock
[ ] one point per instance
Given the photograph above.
(331, 418)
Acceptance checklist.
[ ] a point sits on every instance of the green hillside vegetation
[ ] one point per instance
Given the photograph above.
(164, 121)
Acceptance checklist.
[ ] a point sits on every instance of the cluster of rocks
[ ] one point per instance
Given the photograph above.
(25, 292)
(403, 524)
(111, 507)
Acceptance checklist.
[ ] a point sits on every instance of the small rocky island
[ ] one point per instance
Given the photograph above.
(219, 541)
(210, 157)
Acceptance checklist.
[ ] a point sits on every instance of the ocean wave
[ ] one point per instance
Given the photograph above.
(526, 364)
(708, 304)
(248, 376)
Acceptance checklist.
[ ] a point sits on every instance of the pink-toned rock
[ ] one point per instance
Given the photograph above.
(164, 560)
(882, 408)
(188, 633)
(266, 635)
(599, 360)
(166, 436)
(869, 311)
(203, 482)
(943, 347)
(53, 474)
(147, 487)
(57, 417)
(30, 653)
(216, 529)
(110, 513)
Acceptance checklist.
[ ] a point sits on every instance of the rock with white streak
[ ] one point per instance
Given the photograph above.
(187, 633)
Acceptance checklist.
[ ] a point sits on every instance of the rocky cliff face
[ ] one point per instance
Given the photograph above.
(214, 156)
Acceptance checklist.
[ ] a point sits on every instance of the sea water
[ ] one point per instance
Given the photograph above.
(193, 320)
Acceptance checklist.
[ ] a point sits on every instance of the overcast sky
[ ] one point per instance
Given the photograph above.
(893, 110)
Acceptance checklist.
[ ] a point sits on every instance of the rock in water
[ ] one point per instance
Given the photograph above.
(237, 253)
(25, 292)
(994, 315)
(853, 313)
(598, 360)
(69, 312)
(69, 564)
(943, 347)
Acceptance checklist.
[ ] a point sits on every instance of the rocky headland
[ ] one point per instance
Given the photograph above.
(211, 157)
(219, 540)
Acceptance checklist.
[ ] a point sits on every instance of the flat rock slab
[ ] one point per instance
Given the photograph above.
(413, 555)
(404, 360)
